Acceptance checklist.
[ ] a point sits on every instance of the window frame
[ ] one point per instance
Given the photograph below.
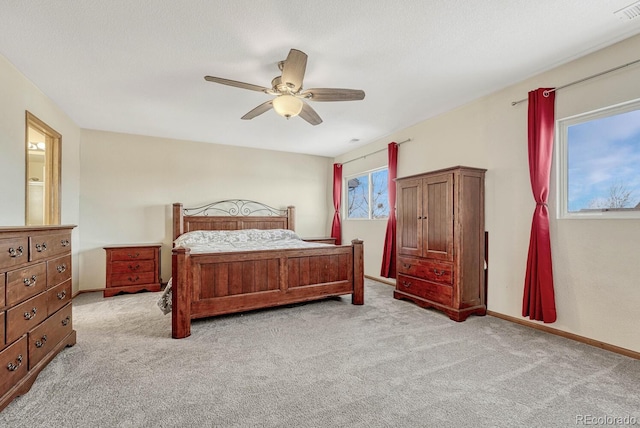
(345, 193)
(562, 167)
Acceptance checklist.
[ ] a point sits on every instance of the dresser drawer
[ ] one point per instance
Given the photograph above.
(133, 266)
(26, 316)
(58, 270)
(13, 251)
(47, 335)
(2, 288)
(45, 246)
(2, 343)
(26, 282)
(439, 293)
(121, 280)
(128, 254)
(13, 365)
(427, 269)
(58, 296)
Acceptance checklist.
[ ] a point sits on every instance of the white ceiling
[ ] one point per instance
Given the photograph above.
(138, 66)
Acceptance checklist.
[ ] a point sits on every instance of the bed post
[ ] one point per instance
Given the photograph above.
(180, 294)
(357, 298)
(178, 226)
(291, 217)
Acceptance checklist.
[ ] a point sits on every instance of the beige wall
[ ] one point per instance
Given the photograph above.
(18, 94)
(129, 183)
(596, 267)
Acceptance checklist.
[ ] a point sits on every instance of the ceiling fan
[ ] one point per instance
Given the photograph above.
(290, 96)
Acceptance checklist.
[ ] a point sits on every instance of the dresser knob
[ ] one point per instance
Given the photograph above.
(438, 272)
(133, 256)
(61, 268)
(30, 282)
(40, 343)
(13, 367)
(66, 321)
(61, 295)
(132, 267)
(16, 252)
(406, 284)
(30, 315)
(132, 279)
(65, 242)
(41, 247)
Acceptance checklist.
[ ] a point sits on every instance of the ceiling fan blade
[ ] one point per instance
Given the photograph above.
(294, 68)
(309, 114)
(235, 83)
(258, 110)
(332, 94)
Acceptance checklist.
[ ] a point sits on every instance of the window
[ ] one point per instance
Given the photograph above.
(598, 154)
(43, 173)
(368, 195)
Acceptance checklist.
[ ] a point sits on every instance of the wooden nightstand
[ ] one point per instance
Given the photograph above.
(132, 268)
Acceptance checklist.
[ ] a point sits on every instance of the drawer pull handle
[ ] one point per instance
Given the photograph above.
(132, 279)
(438, 272)
(41, 247)
(62, 295)
(13, 367)
(406, 265)
(40, 343)
(133, 256)
(65, 321)
(30, 282)
(132, 267)
(16, 252)
(406, 284)
(61, 268)
(65, 242)
(30, 315)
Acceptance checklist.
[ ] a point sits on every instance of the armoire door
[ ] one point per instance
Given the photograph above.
(438, 222)
(409, 203)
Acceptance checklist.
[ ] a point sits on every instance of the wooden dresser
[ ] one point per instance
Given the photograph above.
(132, 268)
(440, 241)
(35, 303)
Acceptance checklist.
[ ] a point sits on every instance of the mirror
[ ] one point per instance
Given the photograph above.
(42, 173)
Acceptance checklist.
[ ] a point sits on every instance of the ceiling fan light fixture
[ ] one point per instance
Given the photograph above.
(287, 105)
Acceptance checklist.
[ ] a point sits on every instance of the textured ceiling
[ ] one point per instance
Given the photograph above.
(138, 66)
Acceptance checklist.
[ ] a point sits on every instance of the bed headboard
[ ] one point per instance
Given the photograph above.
(232, 214)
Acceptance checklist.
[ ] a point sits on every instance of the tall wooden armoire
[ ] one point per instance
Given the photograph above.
(440, 241)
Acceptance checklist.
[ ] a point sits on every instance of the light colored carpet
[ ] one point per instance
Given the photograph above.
(388, 363)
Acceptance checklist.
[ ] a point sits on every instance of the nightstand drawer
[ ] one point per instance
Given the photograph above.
(128, 254)
(124, 279)
(427, 290)
(26, 282)
(133, 266)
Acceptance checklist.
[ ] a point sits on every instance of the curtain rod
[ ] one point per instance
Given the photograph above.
(372, 153)
(546, 93)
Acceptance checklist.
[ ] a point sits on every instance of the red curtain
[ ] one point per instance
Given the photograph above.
(538, 301)
(336, 231)
(388, 269)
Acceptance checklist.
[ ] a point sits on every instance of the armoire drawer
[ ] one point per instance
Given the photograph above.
(13, 251)
(13, 364)
(26, 282)
(47, 335)
(58, 270)
(426, 269)
(45, 246)
(25, 316)
(58, 296)
(439, 293)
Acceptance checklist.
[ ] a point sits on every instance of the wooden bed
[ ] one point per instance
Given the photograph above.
(209, 284)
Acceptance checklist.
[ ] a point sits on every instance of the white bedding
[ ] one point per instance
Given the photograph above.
(220, 241)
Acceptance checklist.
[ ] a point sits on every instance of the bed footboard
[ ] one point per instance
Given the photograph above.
(206, 285)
